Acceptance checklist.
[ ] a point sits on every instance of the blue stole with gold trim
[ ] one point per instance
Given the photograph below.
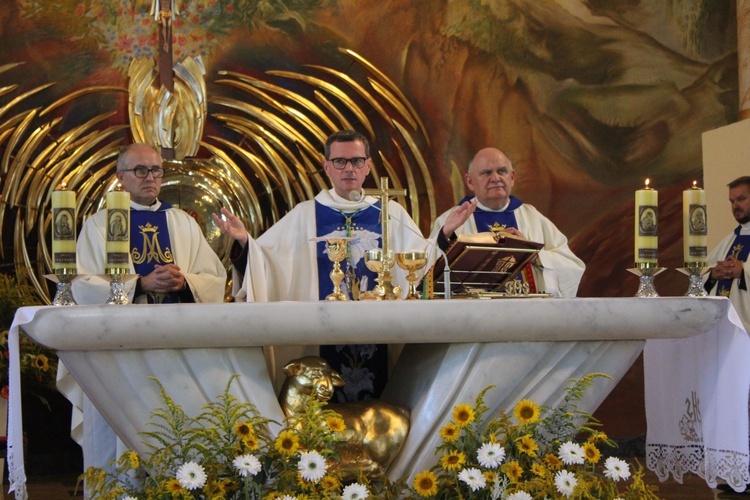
(739, 249)
(150, 246)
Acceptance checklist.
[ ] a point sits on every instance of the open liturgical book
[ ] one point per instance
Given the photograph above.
(484, 265)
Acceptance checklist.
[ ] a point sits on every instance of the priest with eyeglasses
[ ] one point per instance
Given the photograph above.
(286, 264)
(169, 254)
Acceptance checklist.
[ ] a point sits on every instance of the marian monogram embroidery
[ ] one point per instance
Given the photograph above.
(151, 250)
(691, 423)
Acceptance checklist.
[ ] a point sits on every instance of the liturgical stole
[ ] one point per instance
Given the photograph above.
(739, 250)
(333, 223)
(150, 245)
(496, 221)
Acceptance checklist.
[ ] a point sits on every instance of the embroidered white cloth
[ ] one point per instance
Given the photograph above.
(696, 392)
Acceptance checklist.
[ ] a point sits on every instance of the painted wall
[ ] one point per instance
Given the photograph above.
(587, 97)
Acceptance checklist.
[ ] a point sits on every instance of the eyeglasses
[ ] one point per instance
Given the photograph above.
(142, 172)
(340, 163)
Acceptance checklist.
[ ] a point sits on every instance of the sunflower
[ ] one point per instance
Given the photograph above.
(330, 483)
(527, 445)
(526, 412)
(553, 461)
(449, 433)
(453, 460)
(539, 470)
(591, 453)
(41, 362)
(490, 476)
(513, 470)
(598, 437)
(463, 414)
(174, 486)
(287, 443)
(426, 484)
(251, 441)
(336, 424)
(243, 429)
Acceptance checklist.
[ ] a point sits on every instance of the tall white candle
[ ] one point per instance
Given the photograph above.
(63, 229)
(118, 231)
(646, 225)
(694, 225)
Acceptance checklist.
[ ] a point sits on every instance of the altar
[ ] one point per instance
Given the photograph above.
(526, 348)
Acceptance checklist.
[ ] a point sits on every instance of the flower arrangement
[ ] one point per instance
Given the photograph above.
(38, 364)
(535, 453)
(228, 452)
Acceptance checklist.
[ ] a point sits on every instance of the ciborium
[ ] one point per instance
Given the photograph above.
(378, 262)
(337, 250)
(412, 261)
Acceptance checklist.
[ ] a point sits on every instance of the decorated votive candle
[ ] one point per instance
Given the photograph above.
(694, 225)
(646, 226)
(118, 230)
(63, 229)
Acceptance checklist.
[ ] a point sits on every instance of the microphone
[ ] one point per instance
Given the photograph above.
(356, 196)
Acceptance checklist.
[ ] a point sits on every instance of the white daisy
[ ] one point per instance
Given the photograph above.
(247, 465)
(565, 482)
(473, 477)
(288, 497)
(491, 455)
(128, 498)
(571, 453)
(355, 491)
(191, 476)
(520, 495)
(312, 466)
(616, 469)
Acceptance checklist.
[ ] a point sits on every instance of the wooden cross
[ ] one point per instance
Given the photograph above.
(384, 194)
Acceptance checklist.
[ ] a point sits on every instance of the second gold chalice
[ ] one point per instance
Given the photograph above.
(336, 248)
(382, 264)
(412, 261)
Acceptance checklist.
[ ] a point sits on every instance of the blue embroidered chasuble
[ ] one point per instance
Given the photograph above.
(740, 249)
(150, 245)
(364, 367)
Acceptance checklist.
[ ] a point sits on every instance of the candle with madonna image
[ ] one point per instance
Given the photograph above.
(646, 226)
(63, 230)
(118, 231)
(694, 225)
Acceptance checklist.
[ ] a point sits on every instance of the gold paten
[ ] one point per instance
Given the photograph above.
(375, 430)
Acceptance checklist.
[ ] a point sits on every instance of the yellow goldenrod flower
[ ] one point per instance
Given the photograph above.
(463, 415)
(287, 443)
(133, 458)
(425, 483)
(453, 460)
(526, 412)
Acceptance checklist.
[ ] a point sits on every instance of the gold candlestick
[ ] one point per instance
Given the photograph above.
(412, 261)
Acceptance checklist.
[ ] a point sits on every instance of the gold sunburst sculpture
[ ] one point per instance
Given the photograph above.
(271, 162)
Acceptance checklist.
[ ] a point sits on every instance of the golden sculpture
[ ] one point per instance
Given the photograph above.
(412, 261)
(375, 430)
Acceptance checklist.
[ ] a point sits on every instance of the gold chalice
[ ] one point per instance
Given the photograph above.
(377, 263)
(412, 261)
(336, 253)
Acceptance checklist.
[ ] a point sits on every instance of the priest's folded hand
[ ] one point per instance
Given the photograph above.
(163, 279)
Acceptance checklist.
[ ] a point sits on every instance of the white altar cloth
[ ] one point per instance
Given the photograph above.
(697, 405)
(526, 347)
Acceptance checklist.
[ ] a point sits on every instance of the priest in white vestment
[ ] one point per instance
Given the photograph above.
(556, 270)
(169, 259)
(729, 260)
(289, 261)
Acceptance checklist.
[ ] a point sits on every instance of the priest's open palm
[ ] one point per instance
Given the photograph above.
(232, 226)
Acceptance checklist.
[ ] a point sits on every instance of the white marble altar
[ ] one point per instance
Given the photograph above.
(527, 348)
